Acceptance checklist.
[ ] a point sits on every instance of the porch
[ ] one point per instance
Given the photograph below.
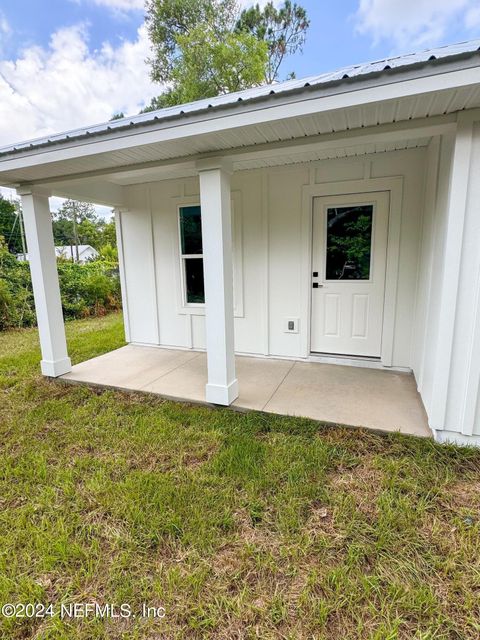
(355, 396)
(326, 219)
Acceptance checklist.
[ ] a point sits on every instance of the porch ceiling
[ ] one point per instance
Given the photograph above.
(278, 158)
(47, 166)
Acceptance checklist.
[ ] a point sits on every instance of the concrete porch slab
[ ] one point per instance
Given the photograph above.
(359, 397)
(376, 399)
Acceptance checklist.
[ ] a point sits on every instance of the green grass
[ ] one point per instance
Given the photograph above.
(240, 525)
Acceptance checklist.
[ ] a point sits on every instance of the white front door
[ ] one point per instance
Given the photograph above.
(349, 255)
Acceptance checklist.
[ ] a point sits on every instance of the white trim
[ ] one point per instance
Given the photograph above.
(390, 132)
(366, 363)
(237, 240)
(265, 212)
(319, 101)
(198, 309)
(457, 204)
(222, 394)
(453, 437)
(394, 185)
(470, 404)
(55, 368)
(473, 370)
(121, 268)
(186, 256)
(430, 202)
(148, 196)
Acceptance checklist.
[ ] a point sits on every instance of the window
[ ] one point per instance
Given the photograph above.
(192, 254)
(349, 242)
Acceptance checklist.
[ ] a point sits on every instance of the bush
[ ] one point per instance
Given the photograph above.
(86, 289)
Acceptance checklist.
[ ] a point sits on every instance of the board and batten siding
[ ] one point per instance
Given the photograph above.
(270, 277)
(269, 239)
(449, 385)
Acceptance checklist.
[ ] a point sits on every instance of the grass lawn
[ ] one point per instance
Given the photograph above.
(240, 525)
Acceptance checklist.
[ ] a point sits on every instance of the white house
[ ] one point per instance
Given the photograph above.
(69, 252)
(345, 209)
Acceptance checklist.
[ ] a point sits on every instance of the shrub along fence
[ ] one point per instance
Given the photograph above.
(90, 289)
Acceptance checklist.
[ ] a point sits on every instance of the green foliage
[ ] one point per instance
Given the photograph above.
(77, 223)
(16, 297)
(167, 20)
(6, 303)
(349, 245)
(90, 289)
(208, 66)
(283, 29)
(10, 225)
(108, 253)
(108, 234)
(203, 48)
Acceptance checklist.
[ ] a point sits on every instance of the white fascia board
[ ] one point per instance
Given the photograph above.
(420, 128)
(249, 114)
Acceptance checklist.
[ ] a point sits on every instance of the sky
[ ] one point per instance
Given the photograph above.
(70, 63)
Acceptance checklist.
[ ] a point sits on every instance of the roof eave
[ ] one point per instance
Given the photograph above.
(378, 78)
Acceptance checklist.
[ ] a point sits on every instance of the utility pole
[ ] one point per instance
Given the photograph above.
(22, 229)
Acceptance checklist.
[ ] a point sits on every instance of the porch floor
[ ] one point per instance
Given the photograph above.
(376, 399)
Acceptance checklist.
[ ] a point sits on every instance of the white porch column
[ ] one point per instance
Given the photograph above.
(46, 289)
(222, 385)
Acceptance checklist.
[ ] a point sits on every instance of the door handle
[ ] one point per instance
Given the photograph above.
(316, 285)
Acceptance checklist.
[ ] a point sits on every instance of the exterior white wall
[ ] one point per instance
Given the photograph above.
(439, 161)
(466, 353)
(139, 270)
(269, 267)
(269, 240)
(460, 418)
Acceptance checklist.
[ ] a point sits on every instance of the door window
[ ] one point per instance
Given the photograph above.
(349, 242)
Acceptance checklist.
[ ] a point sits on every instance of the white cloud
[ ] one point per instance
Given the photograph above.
(4, 26)
(48, 90)
(5, 32)
(8, 194)
(410, 24)
(121, 5)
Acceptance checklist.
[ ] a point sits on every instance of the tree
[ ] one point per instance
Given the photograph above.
(210, 66)
(11, 225)
(76, 223)
(108, 253)
(203, 48)
(168, 19)
(108, 233)
(284, 29)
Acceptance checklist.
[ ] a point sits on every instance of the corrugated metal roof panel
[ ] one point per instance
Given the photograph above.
(255, 93)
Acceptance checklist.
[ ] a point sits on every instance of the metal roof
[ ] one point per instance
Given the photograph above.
(354, 72)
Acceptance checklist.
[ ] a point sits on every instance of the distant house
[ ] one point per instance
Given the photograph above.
(85, 253)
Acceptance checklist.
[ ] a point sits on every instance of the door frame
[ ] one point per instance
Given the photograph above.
(394, 186)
